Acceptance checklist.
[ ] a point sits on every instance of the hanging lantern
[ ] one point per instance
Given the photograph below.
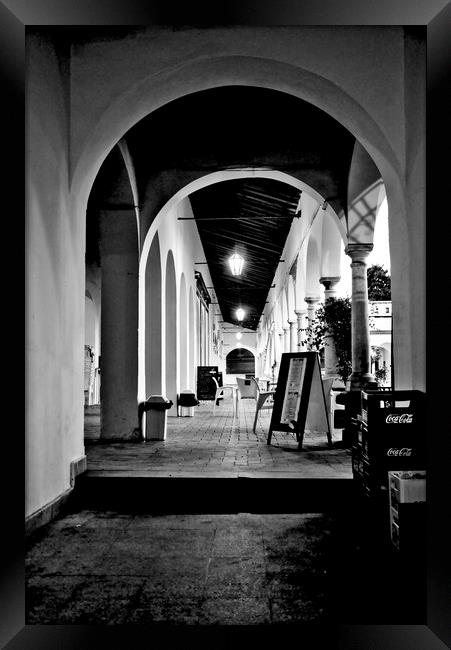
(236, 263)
(240, 313)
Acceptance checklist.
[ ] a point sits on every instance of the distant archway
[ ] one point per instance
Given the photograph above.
(240, 361)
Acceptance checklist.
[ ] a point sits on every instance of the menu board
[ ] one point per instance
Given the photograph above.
(299, 399)
(293, 391)
(206, 387)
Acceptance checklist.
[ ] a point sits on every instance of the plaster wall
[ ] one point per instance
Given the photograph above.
(55, 287)
(182, 239)
(146, 58)
(248, 340)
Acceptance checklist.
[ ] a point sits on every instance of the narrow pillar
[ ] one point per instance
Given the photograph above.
(293, 336)
(312, 302)
(119, 325)
(286, 339)
(281, 347)
(330, 356)
(301, 315)
(360, 317)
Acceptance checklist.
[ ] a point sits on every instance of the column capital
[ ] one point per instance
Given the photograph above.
(358, 252)
(311, 300)
(300, 312)
(329, 281)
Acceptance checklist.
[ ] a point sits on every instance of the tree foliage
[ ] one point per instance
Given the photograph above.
(379, 283)
(334, 318)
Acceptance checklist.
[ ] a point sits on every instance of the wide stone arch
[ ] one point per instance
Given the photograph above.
(203, 181)
(140, 99)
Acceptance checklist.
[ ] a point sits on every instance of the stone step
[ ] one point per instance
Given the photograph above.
(130, 492)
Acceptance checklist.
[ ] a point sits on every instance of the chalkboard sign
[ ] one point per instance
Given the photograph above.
(206, 387)
(299, 400)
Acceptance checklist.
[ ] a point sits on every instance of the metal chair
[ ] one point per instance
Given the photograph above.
(262, 403)
(247, 388)
(220, 394)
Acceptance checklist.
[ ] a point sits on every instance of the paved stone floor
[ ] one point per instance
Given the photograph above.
(248, 569)
(113, 565)
(108, 568)
(215, 443)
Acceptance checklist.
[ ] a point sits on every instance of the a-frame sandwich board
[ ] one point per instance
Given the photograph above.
(299, 400)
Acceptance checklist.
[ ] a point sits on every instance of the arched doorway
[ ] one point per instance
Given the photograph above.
(170, 331)
(240, 361)
(152, 309)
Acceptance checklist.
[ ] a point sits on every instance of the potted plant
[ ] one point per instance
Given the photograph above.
(333, 318)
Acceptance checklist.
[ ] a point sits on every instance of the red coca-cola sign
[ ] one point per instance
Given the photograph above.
(403, 451)
(399, 418)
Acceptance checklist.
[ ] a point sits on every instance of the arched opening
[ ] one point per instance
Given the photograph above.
(153, 319)
(183, 336)
(191, 339)
(240, 362)
(171, 333)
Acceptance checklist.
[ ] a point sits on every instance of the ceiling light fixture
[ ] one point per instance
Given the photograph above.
(240, 313)
(236, 263)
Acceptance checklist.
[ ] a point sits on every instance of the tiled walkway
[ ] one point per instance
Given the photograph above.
(118, 563)
(217, 444)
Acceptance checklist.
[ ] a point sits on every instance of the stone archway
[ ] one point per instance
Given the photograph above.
(152, 307)
(183, 334)
(170, 333)
(240, 361)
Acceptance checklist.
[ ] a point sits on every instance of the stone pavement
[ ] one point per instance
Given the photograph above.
(241, 569)
(214, 443)
(108, 561)
(93, 567)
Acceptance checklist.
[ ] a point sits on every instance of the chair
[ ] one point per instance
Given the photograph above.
(220, 394)
(262, 404)
(247, 388)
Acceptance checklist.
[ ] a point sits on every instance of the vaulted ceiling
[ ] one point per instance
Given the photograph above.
(251, 217)
(235, 127)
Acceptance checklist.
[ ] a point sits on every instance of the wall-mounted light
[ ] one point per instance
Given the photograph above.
(236, 263)
(238, 336)
(240, 313)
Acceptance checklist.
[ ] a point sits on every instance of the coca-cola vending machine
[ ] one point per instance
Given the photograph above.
(391, 436)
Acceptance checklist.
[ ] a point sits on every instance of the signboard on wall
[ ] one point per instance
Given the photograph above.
(299, 401)
(206, 387)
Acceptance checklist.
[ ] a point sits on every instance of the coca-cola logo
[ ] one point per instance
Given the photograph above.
(395, 418)
(403, 451)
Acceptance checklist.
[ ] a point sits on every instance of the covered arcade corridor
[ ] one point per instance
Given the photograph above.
(195, 197)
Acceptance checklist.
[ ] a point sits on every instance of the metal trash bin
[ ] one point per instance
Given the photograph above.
(154, 409)
(186, 402)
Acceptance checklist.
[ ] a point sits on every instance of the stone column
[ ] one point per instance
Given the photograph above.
(286, 339)
(293, 337)
(360, 316)
(119, 324)
(311, 301)
(330, 356)
(301, 315)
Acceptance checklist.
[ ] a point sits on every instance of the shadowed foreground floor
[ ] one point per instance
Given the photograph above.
(241, 569)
